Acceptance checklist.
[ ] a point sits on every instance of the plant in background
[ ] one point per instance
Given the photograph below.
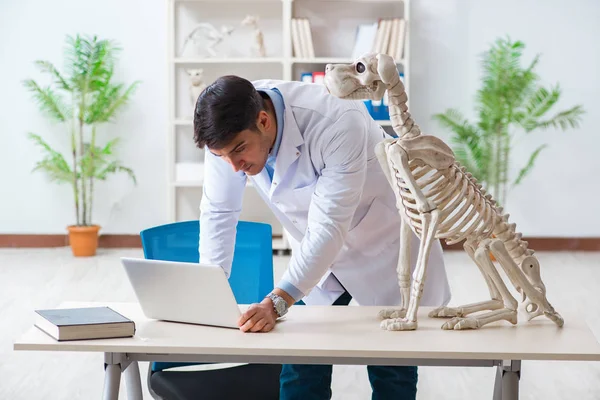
(510, 102)
(82, 97)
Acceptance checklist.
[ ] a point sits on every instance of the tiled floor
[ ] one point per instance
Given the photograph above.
(39, 278)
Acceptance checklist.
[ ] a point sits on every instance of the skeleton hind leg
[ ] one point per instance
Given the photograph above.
(512, 269)
(508, 312)
(494, 303)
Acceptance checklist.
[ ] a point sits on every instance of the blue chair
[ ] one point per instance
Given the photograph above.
(251, 279)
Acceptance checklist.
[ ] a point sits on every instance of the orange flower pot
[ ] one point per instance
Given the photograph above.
(83, 240)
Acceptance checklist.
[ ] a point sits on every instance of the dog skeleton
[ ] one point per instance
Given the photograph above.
(439, 199)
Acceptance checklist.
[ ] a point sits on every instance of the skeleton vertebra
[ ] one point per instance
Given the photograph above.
(439, 199)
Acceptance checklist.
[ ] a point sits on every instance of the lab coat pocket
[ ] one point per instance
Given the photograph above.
(378, 229)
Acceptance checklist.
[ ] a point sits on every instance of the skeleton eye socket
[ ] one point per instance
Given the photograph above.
(360, 67)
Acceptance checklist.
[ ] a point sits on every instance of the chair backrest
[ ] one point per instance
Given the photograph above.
(251, 277)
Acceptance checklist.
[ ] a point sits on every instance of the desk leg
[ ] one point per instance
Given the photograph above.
(112, 381)
(508, 375)
(133, 381)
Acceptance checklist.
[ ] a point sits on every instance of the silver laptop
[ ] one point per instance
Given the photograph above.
(183, 292)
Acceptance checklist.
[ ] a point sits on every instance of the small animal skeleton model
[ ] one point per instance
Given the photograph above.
(197, 85)
(210, 33)
(439, 199)
(252, 22)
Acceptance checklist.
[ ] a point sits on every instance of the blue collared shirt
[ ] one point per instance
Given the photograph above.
(279, 105)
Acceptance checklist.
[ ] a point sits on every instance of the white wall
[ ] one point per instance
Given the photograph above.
(558, 197)
(31, 30)
(447, 37)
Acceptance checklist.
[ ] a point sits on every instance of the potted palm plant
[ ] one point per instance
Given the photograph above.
(510, 102)
(81, 98)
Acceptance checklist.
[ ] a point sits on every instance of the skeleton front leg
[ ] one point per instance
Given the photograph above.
(430, 220)
(403, 274)
(403, 268)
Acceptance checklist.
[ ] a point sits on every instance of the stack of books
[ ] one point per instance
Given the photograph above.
(387, 35)
(302, 41)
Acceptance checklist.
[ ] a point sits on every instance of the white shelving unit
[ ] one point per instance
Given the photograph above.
(333, 29)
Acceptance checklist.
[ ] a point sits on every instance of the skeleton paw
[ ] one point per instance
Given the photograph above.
(392, 313)
(398, 324)
(556, 318)
(445, 312)
(461, 323)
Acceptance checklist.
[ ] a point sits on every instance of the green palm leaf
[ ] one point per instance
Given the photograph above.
(111, 99)
(467, 141)
(527, 168)
(564, 119)
(114, 167)
(53, 163)
(539, 103)
(90, 60)
(48, 100)
(59, 80)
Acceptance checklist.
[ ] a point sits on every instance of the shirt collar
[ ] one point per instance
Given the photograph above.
(279, 105)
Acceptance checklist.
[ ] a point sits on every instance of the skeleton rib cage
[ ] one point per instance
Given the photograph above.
(466, 211)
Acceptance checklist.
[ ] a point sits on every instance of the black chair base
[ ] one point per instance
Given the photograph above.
(248, 382)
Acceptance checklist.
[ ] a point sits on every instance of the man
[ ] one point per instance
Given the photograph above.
(311, 157)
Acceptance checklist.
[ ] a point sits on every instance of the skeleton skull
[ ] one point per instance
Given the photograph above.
(359, 80)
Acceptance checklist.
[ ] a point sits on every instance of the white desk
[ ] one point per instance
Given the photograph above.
(331, 335)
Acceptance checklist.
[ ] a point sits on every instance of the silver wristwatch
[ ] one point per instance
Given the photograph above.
(280, 305)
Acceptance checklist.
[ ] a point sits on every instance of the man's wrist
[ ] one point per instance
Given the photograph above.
(285, 295)
(269, 303)
(280, 305)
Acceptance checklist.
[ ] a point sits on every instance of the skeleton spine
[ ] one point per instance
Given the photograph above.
(516, 247)
(402, 121)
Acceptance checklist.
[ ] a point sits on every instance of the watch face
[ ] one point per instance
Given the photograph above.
(280, 307)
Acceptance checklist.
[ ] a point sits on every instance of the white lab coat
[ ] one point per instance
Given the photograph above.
(332, 198)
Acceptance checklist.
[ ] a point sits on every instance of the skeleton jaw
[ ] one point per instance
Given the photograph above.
(359, 80)
(366, 92)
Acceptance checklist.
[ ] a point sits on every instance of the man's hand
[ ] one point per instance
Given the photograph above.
(260, 317)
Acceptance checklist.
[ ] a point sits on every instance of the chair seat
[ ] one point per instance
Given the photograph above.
(250, 381)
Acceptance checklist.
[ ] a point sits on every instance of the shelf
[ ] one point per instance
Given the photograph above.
(189, 122)
(328, 60)
(344, 1)
(229, 60)
(240, 1)
(188, 183)
(199, 183)
(184, 122)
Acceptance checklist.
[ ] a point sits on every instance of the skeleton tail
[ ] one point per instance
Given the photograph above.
(516, 247)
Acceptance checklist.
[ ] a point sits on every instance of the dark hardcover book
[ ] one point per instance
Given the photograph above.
(84, 323)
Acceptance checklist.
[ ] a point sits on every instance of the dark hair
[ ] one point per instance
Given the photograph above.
(226, 107)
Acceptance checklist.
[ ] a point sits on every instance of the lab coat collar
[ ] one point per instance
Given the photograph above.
(288, 152)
